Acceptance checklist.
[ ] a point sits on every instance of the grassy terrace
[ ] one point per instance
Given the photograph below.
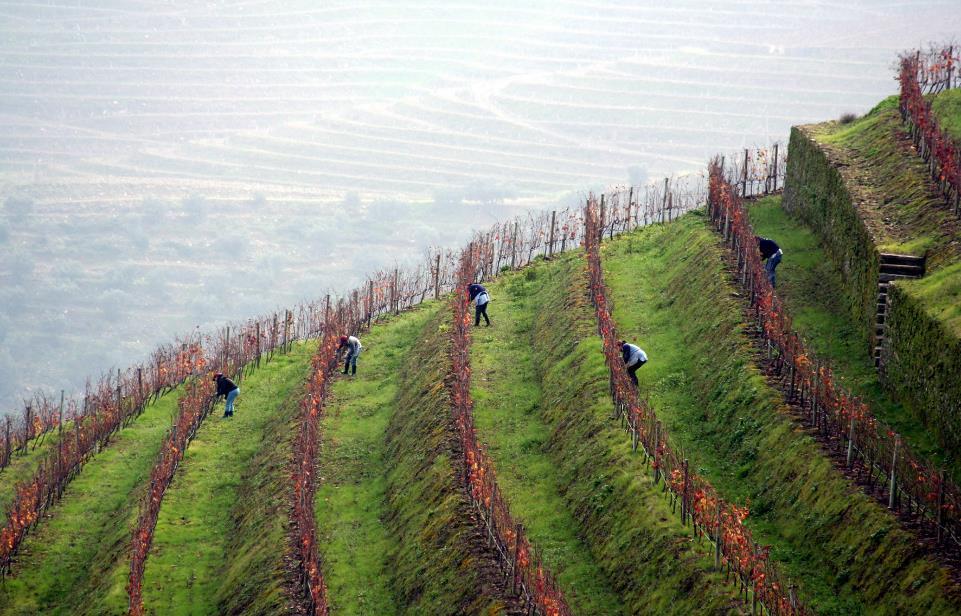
(946, 107)
(898, 202)
(635, 539)
(440, 562)
(883, 172)
(76, 562)
(811, 288)
(351, 498)
(507, 407)
(196, 563)
(23, 466)
(848, 555)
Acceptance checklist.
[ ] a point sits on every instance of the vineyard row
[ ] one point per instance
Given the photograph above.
(700, 505)
(913, 487)
(932, 72)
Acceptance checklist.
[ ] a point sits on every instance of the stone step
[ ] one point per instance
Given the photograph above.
(891, 277)
(896, 259)
(907, 270)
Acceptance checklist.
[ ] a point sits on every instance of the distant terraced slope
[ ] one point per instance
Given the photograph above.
(306, 102)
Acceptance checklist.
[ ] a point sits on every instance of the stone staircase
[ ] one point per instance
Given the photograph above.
(893, 267)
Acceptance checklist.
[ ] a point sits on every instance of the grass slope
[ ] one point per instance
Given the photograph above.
(890, 182)
(77, 561)
(849, 556)
(190, 559)
(23, 466)
(439, 560)
(639, 543)
(253, 580)
(507, 409)
(946, 107)
(351, 497)
(811, 288)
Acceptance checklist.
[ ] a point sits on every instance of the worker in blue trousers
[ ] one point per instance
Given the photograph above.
(228, 390)
(771, 253)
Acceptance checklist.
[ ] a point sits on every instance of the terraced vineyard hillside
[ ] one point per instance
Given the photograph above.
(786, 450)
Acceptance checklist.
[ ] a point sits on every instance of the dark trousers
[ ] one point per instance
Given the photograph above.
(632, 371)
(350, 362)
(480, 311)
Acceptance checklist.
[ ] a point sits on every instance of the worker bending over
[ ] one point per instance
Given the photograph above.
(228, 390)
(353, 346)
(480, 297)
(634, 358)
(772, 253)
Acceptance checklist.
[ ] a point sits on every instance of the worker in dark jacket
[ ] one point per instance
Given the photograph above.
(770, 252)
(479, 295)
(228, 390)
(634, 357)
(353, 346)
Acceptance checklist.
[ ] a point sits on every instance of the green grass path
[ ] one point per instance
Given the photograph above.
(77, 561)
(813, 291)
(507, 398)
(350, 503)
(185, 568)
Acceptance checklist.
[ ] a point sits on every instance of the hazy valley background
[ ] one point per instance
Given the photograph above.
(172, 165)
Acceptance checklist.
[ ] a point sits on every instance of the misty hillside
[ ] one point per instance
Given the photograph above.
(189, 164)
(551, 309)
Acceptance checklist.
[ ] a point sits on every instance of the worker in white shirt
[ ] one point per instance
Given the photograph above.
(634, 358)
(353, 346)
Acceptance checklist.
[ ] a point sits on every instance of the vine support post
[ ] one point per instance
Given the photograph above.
(657, 442)
(664, 202)
(119, 398)
(939, 516)
(257, 334)
(550, 247)
(514, 248)
(394, 292)
(603, 214)
(7, 453)
(630, 203)
(744, 175)
(139, 388)
(327, 312)
(851, 440)
(273, 337)
(892, 487)
(717, 537)
(950, 65)
(774, 170)
(684, 495)
(518, 530)
(60, 441)
(436, 278)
